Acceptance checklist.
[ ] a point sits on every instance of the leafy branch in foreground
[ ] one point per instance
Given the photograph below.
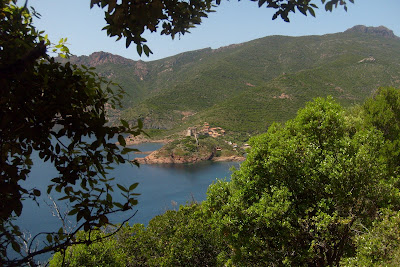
(58, 112)
(130, 19)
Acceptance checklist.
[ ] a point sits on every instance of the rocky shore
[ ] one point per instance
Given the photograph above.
(154, 158)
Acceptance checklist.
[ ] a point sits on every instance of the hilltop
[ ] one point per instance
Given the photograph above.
(379, 31)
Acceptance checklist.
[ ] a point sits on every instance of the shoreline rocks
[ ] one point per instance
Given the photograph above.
(153, 158)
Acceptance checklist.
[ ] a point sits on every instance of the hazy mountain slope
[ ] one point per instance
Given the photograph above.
(347, 79)
(235, 86)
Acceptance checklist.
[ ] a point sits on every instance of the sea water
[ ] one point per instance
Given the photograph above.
(161, 187)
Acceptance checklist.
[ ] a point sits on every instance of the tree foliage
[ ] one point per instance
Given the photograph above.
(175, 238)
(317, 191)
(383, 112)
(380, 244)
(59, 112)
(130, 19)
(304, 190)
(105, 252)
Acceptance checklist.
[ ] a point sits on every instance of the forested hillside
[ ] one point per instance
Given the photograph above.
(320, 184)
(321, 189)
(245, 87)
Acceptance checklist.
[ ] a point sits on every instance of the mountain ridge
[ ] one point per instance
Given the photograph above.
(215, 85)
(101, 57)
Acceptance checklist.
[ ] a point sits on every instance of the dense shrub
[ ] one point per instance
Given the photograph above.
(106, 252)
(304, 187)
(320, 190)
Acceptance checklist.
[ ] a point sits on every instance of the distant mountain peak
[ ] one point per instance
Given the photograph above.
(101, 57)
(379, 31)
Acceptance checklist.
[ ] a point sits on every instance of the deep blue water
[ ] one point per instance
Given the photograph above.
(159, 186)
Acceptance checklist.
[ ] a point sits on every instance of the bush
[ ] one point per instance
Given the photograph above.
(106, 252)
(303, 188)
(180, 238)
(379, 245)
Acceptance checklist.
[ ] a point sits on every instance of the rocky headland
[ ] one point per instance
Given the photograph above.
(155, 158)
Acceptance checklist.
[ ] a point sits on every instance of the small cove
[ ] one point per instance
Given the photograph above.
(162, 187)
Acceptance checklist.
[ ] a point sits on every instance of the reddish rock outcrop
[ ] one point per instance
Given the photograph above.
(154, 158)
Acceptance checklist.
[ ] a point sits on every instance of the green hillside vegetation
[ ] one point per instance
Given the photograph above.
(345, 79)
(321, 189)
(245, 87)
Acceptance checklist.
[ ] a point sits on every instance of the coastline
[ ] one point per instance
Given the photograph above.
(152, 159)
(174, 155)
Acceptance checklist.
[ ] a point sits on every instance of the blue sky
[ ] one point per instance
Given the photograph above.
(233, 22)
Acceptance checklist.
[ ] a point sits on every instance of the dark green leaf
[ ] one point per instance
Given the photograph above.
(124, 123)
(73, 212)
(122, 188)
(311, 11)
(147, 50)
(328, 6)
(133, 186)
(121, 140)
(36, 192)
(261, 2)
(103, 219)
(49, 188)
(16, 247)
(49, 238)
(138, 48)
(133, 201)
(118, 205)
(109, 198)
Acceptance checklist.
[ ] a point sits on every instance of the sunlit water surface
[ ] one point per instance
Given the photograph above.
(162, 187)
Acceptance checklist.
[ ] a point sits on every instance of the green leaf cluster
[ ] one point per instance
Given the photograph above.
(176, 238)
(98, 253)
(178, 17)
(380, 244)
(60, 112)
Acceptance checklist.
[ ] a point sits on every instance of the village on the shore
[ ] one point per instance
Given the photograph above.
(224, 150)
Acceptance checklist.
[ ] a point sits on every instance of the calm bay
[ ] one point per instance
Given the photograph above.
(162, 187)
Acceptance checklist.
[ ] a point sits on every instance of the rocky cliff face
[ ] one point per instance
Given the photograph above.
(380, 31)
(99, 58)
(96, 59)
